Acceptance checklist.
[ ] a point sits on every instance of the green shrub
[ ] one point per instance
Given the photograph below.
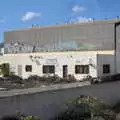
(5, 69)
(26, 117)
(30, 118)
(86, 108)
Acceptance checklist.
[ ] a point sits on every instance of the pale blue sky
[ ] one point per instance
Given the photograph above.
(15, 14)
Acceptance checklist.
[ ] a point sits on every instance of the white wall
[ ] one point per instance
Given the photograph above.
(70, 59)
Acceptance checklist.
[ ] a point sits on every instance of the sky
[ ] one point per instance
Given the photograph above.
(17, 14)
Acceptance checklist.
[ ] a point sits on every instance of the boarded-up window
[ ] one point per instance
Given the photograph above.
(48, 69)
(82, 69)
(106, 68)
(20, 70)
(28, 68)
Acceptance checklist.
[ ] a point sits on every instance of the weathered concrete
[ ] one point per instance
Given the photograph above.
(47, 103)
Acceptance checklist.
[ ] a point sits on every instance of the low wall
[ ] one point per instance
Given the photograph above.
(47, 103)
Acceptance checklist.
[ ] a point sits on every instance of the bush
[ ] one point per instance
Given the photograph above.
(20, 118)
(5, 69)
(14, 79)
(30, 118)
(34, 78)
(47, 79)
(86, 108)
(53, 79)
(26, 117)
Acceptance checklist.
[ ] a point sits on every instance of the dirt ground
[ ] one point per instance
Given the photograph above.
(15, 82)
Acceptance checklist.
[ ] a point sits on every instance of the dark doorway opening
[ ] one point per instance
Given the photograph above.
(65, 71)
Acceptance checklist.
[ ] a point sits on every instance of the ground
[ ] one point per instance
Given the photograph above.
(15, 82)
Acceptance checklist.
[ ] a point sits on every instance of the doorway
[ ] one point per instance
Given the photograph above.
(65, 71)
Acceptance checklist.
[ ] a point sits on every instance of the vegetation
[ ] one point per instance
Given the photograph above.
(16, 82)
(5, 69)
(52, 79)
(86, 108)
(20, 118)
(29, 118)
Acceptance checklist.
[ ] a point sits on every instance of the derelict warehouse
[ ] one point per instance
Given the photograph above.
(78, 49)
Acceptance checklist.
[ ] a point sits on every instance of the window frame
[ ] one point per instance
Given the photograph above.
(81, 69)
(50, 69)
(106, 68)
(28, 69)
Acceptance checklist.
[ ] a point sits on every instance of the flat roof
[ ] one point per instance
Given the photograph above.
(111, 52)
(108, 21)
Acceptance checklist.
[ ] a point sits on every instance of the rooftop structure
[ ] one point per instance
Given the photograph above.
(92, 35)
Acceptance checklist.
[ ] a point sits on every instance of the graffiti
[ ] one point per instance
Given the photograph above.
(64, 45)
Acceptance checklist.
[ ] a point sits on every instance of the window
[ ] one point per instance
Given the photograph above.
(106, 68)
(81, 69)
(48, 69)
(28, 68)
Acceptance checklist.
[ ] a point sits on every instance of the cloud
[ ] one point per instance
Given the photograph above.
(80, 19)
(83, 19)
(77, 9)
(30, 15)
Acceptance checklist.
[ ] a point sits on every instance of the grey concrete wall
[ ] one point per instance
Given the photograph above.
(105, 59)
(118, 48)
(49, 103)
(89, 36)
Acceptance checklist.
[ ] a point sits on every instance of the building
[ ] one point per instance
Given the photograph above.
(96, 35)
(78, 64)
(81, 49)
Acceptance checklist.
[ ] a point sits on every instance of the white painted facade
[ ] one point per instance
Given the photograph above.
(94, 59)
